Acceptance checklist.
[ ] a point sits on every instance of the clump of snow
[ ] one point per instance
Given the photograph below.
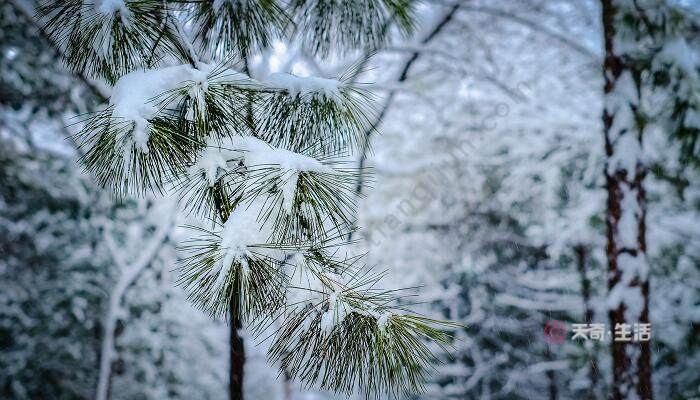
(692, 119)
(628, 296)
(133, 98)
(109, 7)
(134, 95)
(336, 313)
(628, 226)
(383, 321)
(676, 52)
(256, 152)
(211, 162)
(625, 43)
(383, 318)
(240, 231)
(197, 93)
(627, 154)
(303, 86)
(289, 190)
(632, 267)
(623, 94)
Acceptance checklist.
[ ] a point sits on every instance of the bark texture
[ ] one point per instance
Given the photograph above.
(628, 281)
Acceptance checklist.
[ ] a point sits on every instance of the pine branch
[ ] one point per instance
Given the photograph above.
(237, 28)
(345, 26)
(108, 40)
(258, 161)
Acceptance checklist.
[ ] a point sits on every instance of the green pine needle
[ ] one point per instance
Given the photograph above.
(303, 122)
(109, 46)
(118, 165)
(344, 26)
(251, 286)
(239, 27)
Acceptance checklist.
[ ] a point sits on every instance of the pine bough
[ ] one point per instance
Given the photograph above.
(260, 160)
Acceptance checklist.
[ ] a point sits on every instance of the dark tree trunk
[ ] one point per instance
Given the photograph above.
(237, 358)
(626, 198)
(236, 347)
(551, 375)
(581, 255)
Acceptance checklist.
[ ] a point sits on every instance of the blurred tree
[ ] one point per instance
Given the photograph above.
(50, 278)
(491, 186)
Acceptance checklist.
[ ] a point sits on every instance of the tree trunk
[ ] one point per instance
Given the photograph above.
(551, 375)
(581, 254)
(237, 358)
(628, 282)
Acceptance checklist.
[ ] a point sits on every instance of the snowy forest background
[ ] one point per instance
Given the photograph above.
(486, 197)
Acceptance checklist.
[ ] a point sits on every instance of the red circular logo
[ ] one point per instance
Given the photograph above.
(555, 332)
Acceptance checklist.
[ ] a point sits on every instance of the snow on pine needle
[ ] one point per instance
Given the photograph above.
(237, 27)
(238, 264)
(109, 38)
(313, 112)
(305, 197)
(231, 267)
(156, 121)
(337, 329)
(346, 335)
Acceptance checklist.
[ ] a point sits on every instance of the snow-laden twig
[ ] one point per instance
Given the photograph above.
(403, 75)
(130, 272)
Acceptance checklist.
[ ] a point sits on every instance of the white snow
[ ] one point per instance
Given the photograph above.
(255, 152)
(632, 267)
(692, 119)
(677, 52)
(197, 93)
(134, 94)
(211, 162)
(289, 190)
(623, 94)
(383, 321)
(627, 154)
(336, 313)
(628, 225)
(629, 296)
(303, 86)
(109, 7)
(241, 230)
(258, 152)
